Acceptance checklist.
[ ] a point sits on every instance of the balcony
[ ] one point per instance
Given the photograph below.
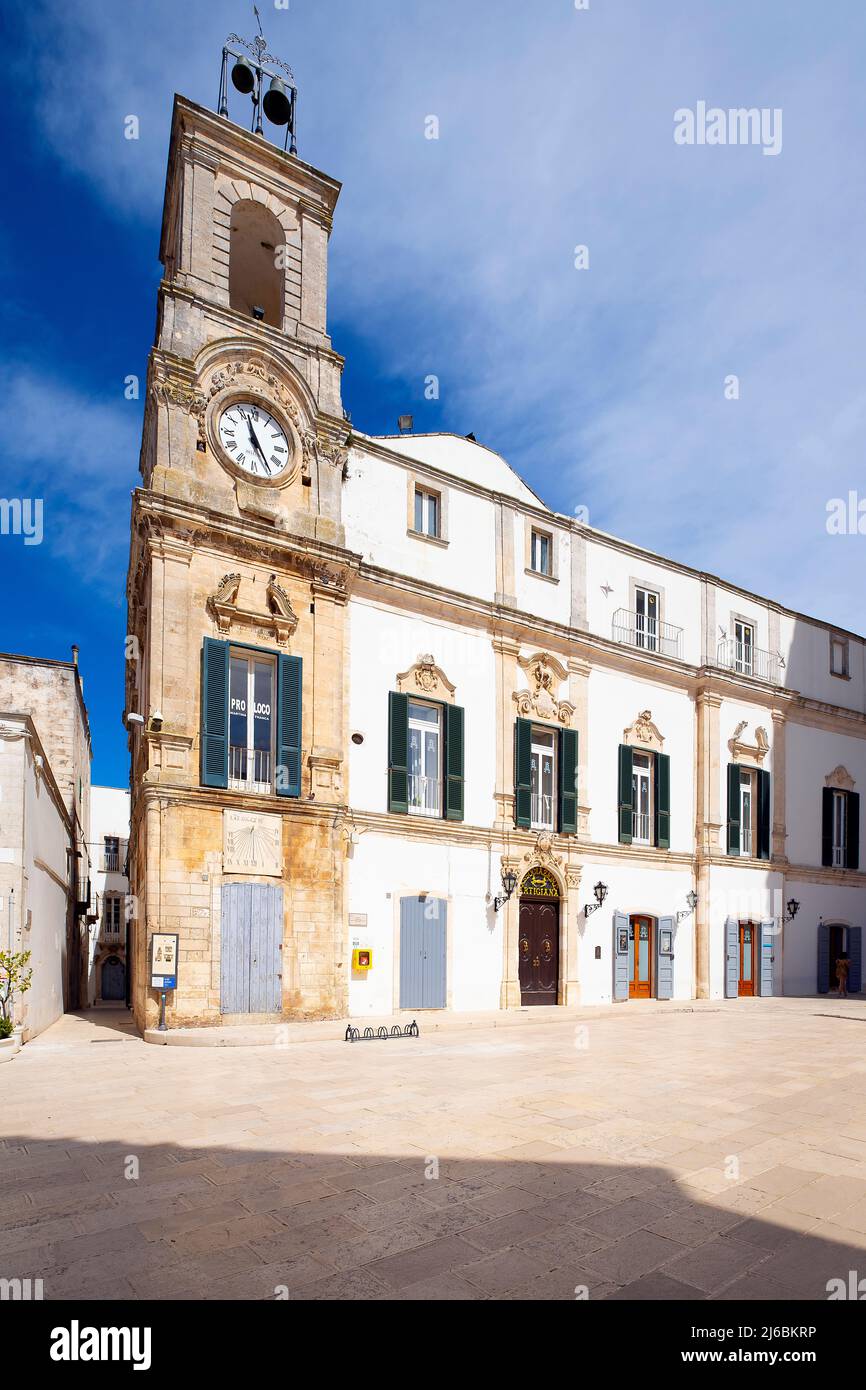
(425, 797)
(745, 660)
(541, 813)
(249, 769)
(647, 634)
(111, 861)
(640, 828)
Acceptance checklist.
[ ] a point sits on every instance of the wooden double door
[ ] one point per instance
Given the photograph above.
(641, 943)
(538, 955)
(748, 936)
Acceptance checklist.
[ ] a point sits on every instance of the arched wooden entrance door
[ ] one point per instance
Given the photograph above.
(538, 948)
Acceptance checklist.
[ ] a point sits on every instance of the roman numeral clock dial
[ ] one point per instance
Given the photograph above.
(254, 440)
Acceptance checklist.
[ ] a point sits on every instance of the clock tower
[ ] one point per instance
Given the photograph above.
(237, 591)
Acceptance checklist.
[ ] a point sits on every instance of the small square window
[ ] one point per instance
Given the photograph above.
(427, 513)
(540, 553)
(839, 656)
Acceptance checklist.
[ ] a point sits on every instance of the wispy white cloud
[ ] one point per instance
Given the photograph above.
(455, 256)
(80, 457)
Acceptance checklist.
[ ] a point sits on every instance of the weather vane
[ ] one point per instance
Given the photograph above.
(252, 64)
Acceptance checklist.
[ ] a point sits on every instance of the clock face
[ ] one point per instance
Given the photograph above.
(254, 440)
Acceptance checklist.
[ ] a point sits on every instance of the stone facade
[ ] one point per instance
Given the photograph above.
(258, 565)
(45, 860)
(370, 582)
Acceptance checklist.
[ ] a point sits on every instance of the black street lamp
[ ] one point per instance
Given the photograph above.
(793, 908)
(600, 891)
(509, 883)
(692, 900)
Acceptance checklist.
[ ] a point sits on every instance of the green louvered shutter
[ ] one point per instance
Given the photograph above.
(454, 754)
(214, 713)
(827, 827)
(763, 814)
(625, 794)
(567, 811)
(733, 808)
(398, 753)
(662, 808)
(289, 677)
(523, 773)
(852, 844)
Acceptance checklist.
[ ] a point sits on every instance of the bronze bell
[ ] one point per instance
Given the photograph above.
(277, 105)
(242, 76)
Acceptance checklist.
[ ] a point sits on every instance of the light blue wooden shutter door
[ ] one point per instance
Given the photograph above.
(423, 954)
(855, 954)
(765, 964)
(434, 983)
(665, 961)
(732, 958)
(234, 949)
(620, 956)
(411, 952)
(250, 938)
(823, 958)
(266, 934)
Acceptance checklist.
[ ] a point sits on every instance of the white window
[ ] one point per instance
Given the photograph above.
(744, 647)
(112, 914)
(251, 722)
(540, 556)
(425, 760)
(646, 619)
(641, 799)
(840, 828)
(747, 810)
(543, 779)
(427, 513)
(112, 854)
(839, 656)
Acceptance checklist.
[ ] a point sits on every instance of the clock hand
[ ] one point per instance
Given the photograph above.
(254, 440)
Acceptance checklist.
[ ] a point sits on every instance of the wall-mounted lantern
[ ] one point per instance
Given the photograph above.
(509, 883)
(692, 900)
(600, 891)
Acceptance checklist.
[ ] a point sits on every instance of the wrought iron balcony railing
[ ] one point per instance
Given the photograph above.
(424, 795)
(646, 633)
(746, 660)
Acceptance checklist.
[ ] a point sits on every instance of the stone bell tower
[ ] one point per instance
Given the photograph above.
(237, 591)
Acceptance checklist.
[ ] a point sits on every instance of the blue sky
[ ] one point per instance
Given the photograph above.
(603, 387)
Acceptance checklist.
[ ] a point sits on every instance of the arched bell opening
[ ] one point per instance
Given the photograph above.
(256, 263)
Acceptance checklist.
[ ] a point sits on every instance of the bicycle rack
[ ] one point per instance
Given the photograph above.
(381, 1034)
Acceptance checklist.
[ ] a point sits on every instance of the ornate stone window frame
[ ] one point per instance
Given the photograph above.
(425, 680)
(280, 618)
(748, 754)
(643, 734)
(840, 779)
(546, 673)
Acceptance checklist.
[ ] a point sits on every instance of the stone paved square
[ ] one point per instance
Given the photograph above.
(699, 1152)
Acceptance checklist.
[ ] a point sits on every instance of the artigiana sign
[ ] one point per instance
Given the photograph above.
(163, 960)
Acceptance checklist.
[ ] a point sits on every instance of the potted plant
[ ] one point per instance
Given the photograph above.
(15, 978)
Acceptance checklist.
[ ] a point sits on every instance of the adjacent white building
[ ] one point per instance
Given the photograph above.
(109, 838)
(529, 694)
(45, 875)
